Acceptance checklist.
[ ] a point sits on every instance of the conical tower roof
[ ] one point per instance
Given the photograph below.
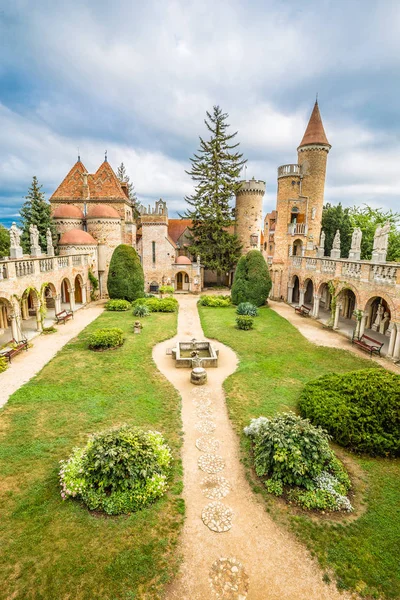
(105, 184)
(315, 132)
(71, 186)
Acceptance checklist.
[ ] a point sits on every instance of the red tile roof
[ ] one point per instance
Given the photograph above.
(67, 211)
(315, 132)
(102, 211)
(103, 184)
(71, 186)
(77, 237)
(177, 226)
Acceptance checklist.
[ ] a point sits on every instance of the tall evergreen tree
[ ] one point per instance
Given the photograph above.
(215, 169)
(4, 241)
(36, 211)
(124, 178)
(334, 218)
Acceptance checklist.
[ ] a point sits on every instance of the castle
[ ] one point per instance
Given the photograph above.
(93, 215)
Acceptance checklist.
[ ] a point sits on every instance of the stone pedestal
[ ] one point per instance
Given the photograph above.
(320, 252)
(16, 252)
(354, 255)
(36, 251)
(50, 250)
(198, 376)
(335, 253)
(378, 257)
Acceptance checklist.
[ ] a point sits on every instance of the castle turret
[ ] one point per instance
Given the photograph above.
(249, 214)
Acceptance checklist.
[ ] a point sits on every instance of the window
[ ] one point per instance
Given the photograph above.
(153, 245)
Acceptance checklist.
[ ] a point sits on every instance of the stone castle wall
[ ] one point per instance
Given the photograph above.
(249, 214)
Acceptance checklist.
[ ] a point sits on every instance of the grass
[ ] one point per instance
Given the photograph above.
(275, 363)
(57, 550)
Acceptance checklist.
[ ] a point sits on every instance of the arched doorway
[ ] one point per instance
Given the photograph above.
(31, 321)
(49, 299)
(298, 248)
(348, 302)
(78, 290)
(182, 281)
(296, 289)
(309, 292)
(378, 315)
(326, 298)
(65, 294)
(5, 321)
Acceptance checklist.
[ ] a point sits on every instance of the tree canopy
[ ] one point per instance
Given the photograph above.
(125, 275)
(4, 241)
(36, 211)
(334, 218)
(215, 170)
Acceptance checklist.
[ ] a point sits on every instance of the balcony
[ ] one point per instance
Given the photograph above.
(288, 171)
(297, 229)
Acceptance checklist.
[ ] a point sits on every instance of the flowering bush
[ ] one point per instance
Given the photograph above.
(247, 308)
(118, 305)
(103, 339)
(295, 457)
(119, 471)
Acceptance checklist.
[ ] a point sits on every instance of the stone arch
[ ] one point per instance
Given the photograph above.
(297, 247)
(380, 313)
(30, 312)
(6, 313)
(182, 281)
(50, 295)
(348, 300)
(296, 289)
(325, 295)
(79, 289)
(309, 290)
(66, 293)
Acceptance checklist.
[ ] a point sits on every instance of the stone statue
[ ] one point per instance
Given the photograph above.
(384, 237)
(313, 213)
(336, 240)
(377, 238)
(34, 233)
(49, 241)
(381, 240)
(384, 324)
(322, 239)
(14, 236)
(356, 239)
(378, 318)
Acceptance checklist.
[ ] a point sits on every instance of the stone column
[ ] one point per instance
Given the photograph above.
(84, 294)
(290, 294)
(14, 328)
(369, 317)
(336, 320)
(315, 312)
(72, 299)
(57, 303)
(363, 324)
(391, 342)
(302, 291)
(39, 325)
(396, 351)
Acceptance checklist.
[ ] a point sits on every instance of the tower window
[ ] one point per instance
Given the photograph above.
(153, 246)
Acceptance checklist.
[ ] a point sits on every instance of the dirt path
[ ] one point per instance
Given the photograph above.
(267, 562)
(26, 364)
(314, 332)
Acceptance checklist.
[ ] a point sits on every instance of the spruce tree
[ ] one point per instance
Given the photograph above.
(36, 211)
(215, 169)
(124, 178)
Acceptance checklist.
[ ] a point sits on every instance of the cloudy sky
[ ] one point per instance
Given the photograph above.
(136, 78)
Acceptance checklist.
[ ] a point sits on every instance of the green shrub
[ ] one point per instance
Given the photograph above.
(94, 285)
(141, 310)
(215, 301)
(360, 409)
(119, 471)
(49, 330)
(102, 339)
(247, 308)
(166, 289)
(252, 282)
(125, 275)
(118, 305)
(295, 456)
(158, 304)
(3, 364)
(244, 322)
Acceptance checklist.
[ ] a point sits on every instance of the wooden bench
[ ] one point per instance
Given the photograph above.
(16, 349)
(367, 343)
(303, 310)
(64, 315)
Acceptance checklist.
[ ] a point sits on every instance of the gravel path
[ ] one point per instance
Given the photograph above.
(26, 364)
(314, 331)
(231, 548)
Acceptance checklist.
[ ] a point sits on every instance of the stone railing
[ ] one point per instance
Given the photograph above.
(351, 269)
(26, 267)
(311, 264)
(297, 228)
(288, 170)
(383, 274)
(328, 266)
(297, 261)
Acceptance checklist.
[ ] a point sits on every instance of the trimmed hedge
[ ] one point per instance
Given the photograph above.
(103, 339)
(166, 305)
(360, 409)
(215, 301)
(252, 282)
(118, 305)
(125, 275)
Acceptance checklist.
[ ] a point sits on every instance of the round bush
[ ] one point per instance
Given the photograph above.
(120, 470)
(252, 282)
(244, 322)
(118, 305)
(125, 275)
(360, 409)
(247, 308)
(103, 339)
(141, 310)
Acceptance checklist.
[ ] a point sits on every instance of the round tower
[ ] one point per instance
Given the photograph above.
(249, 214)
(312, 156)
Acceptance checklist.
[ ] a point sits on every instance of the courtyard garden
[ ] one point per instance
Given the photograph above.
(58, 548)
(360, 550)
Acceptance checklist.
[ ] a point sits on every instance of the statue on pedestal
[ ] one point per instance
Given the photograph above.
(378, 317)
(15, 245)
(49, 241)
(34, 235)
(321, 245)
(381, 240)
(335, 252)
(384, 323)
(355, 250)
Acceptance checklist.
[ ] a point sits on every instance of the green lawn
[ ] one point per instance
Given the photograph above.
(57, 550)
(275, 362)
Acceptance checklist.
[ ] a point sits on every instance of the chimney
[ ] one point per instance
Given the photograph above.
(124, 186)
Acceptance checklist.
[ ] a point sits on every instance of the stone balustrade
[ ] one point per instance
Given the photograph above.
(297, 261)
(288, 170)
(26, 267)
(311, 264)
(297, 228)
(328, 266)
(383, 274)
(351, 269)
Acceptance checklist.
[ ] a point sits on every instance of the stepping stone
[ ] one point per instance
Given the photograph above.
(207, 444)
(228, 579)
(205, 426)
(217, 517)
(204, 412)
(215, 487)
(211, 463)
